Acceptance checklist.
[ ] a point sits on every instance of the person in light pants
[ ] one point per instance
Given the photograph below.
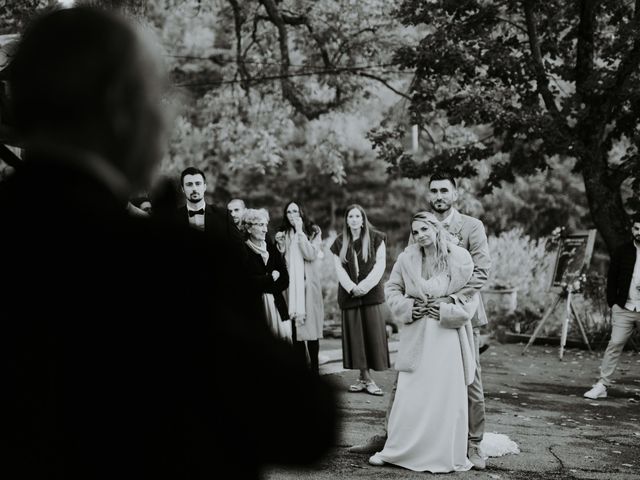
(623, 296)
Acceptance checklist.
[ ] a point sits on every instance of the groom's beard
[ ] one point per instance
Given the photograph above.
(440, 207)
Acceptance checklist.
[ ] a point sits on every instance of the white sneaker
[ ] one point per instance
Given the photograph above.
(598, 391)
(376, 461)
(476, 458)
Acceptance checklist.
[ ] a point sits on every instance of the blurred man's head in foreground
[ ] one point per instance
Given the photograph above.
(84, 80)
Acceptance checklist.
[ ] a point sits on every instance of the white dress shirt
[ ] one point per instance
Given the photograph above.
(447, 221)
(196, 221)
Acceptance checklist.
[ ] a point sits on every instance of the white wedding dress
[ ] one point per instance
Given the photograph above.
(428, 423)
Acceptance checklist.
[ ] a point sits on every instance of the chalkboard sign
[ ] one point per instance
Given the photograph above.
(573, 258)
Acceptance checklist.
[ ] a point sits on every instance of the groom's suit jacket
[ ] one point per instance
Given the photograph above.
(470, 234)
(219, 229)
(217, 222)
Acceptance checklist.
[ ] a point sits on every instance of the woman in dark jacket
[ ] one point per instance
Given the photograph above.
(267, 271)
(359, 254)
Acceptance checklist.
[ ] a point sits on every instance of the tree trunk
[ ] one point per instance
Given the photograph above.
(605, 200)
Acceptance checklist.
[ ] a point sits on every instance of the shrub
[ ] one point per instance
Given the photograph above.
(517, 261)
(527, 264)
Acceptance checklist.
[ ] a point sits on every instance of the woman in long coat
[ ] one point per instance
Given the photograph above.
(428, 424)
(267, 272)
(301, 244)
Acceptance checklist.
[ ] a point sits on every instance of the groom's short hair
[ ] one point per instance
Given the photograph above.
(191, 171)
(443, 176)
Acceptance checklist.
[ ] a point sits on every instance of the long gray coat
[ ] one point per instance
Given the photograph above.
(314, 307)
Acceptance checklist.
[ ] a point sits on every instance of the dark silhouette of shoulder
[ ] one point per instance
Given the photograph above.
(121, 346)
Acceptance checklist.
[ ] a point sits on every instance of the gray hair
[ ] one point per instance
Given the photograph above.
(251, 216)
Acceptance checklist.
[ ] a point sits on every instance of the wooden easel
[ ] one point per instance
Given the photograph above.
(570, 312)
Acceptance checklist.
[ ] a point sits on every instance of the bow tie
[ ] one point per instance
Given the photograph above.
(193, 213)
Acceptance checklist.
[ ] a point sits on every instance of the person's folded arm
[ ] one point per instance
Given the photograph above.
(479, 250)
(375, 275)
(343, 277)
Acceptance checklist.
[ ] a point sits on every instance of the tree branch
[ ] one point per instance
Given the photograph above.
(295, 20)
(289, 92)
(384, 82)
(628, 65)
(541, 76)
(513, 24)
(238, 22)
(426, 130)
(321, 45)
(585, 47)
(346, 41)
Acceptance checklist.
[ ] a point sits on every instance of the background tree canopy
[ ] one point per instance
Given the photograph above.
(534, 102)
(533, 81)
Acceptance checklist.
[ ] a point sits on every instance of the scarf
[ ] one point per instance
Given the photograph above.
(259, 249)
(280, 328)
(295, 264)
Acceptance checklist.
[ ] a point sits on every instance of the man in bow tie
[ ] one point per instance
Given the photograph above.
(214, 221)
(220, 228)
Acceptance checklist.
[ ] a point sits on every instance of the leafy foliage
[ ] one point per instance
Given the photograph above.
(537, 204)
(544, 79)
(522, 263)
(269, 122)
(15, 15)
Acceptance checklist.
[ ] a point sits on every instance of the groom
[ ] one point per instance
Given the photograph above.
(469, 233)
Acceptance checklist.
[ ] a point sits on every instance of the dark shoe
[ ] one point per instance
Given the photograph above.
(374, 444)
(476, 459)
(484, 348)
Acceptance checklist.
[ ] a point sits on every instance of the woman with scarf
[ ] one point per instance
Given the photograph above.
(427, 428)
(359, 256)
(267, 271)
(301, 243)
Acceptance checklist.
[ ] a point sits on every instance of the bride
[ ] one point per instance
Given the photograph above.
(428, 421)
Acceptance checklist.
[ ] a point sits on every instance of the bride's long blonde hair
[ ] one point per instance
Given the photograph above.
(442, 239)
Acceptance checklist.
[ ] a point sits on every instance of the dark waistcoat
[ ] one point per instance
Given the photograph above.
(358, 273)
